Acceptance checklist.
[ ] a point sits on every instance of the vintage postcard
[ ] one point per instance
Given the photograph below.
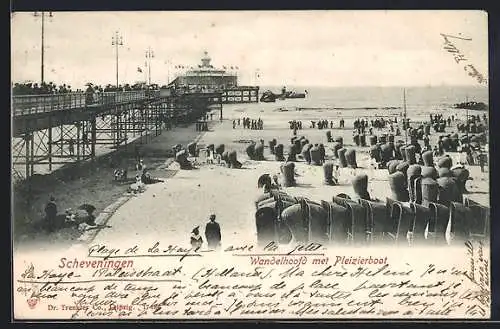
(214, 165)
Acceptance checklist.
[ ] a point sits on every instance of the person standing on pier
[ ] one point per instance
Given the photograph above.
(212, 233)
(89, 95)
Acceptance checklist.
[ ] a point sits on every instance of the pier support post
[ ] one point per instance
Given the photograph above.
(27, 155)
(147, 122)
(78, 126)
(93, 137)
(124, 126)
(32, 154)
(49, 145)
(85, 139)
(61, 139)
(220, 104)
(141, 125)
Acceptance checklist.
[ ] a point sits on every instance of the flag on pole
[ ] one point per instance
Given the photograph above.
(224, 67)
(236, 67)
(232, 68)
(139, 69)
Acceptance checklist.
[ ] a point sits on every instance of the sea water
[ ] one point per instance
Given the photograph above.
(351, 101)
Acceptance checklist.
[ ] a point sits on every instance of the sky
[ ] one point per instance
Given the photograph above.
(299, 48)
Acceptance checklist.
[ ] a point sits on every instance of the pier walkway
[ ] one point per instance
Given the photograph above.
(60, 129)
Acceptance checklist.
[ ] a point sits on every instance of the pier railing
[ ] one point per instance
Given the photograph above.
(32, 104)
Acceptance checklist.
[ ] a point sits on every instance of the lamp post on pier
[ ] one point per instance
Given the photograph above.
(117, 41)
(149, 54)
(42, 59)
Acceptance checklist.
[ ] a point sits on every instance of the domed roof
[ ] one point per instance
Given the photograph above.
(206, 60)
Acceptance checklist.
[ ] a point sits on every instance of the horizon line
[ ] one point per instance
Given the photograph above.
(379, 86)
(299, 85)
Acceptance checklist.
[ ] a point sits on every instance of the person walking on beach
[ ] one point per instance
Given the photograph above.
(436, 151)
(196, 239)
(71, 146)
(51, 214)
(481, 158)
(140, 166)
(137, 153)
(427, 141)
(212, 233)
(210, 156)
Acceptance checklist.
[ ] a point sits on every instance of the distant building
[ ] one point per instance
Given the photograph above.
(206, 77)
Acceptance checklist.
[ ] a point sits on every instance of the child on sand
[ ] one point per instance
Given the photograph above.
(196, 239)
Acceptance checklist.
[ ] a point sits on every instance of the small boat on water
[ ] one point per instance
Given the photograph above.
(293, 94)
(475, 106)
(268, 97)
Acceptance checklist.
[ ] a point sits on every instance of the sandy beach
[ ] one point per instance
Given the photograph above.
(92, 184)
(168, 211)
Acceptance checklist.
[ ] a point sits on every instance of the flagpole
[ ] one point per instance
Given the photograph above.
(168, 73)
